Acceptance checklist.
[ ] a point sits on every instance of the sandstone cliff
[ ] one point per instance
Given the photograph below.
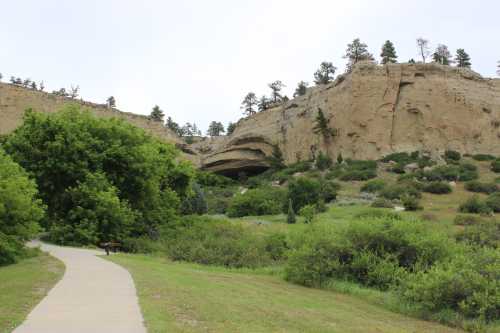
(376, 110)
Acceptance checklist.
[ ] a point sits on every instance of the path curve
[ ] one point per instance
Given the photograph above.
(94, 296)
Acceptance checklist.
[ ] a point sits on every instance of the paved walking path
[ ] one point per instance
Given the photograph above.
(94, 296)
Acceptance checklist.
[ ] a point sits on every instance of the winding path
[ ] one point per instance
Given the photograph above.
(93, 296)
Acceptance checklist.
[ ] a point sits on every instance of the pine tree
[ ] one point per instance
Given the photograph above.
(215, 128)
(173, 126)
(248, 104)
(157, 114)
(276, 88)
(230, 128)
(462, 59)
(356, 52)
(325, 73)
(301, 89)
(110, 101)
(322, 126)
(41, 86)
(388, 54)
(264, 103)
(442, 55)
(290, 218)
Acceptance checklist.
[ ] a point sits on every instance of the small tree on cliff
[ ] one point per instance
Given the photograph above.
(301, 89)
(264, 103)
(325, 73)
(423, 48)
(442, 55)
(356, 52)
(215, 128)
(388, 53)
(111, 102)
(74, 91)
(230, 128)
(462, 59)
(157, 114)
(276, 88)
(248, 104)
(322, 126)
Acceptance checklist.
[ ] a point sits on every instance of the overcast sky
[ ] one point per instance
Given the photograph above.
(198, 58)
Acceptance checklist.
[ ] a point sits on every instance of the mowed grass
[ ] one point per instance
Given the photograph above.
(181, 297)
(23, 285)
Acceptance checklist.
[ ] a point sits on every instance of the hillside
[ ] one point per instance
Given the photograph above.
(376, 110)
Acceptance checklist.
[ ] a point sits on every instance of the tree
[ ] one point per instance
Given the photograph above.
(498, 68)
(462, 59)
(301, 89)
(356, 52)
(248, 104)
(26, 83)
(411, 61)
(74, 91)
(60, 150)
(325, 73)
(442, 55)
(111, 102)
(322, 127)
(195, 202)
(12, 80)
(215, 128)
(264, 103)
(290, 217)
(423, 48)
(33, 85)
(41, 86)
(156, 114)
(230, 128)
(276, 88)
(173, 126)
(1, 76)
(388, 53)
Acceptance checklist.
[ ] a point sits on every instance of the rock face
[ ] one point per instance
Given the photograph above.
(14, 100)
(376, 110)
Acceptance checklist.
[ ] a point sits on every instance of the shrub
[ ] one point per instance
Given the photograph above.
(373, 186)
(493, 202)
(437, 188)
(465, 219)
(303, 191)
(218, 199)
(475, 205)
(397, 191)
(205, 178)
(375, 252)
(290, 217)
(194, 202)
(308, 212)
(452, 155)
(301, 166)
(323, 161)
(462, 172)
(359, 170)
(482, 233)
(495, 166)
(476, 186)
(410, 203)
(214, 242)
(467, 284)
(140, 245)
(329, 190)
(276, 246)
(255, 202)
(382, 203)
(483, 157)
(402, 158)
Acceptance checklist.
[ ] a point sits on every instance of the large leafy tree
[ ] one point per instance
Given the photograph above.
(462, 59)
(61, 149)
(157, 114)
(215, 128)
(325, 73)
(388, 53)
(356, 52)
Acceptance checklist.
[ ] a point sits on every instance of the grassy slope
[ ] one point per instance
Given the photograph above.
(180, 297)
(23, 285)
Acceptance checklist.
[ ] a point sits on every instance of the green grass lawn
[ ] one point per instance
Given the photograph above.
(181, 297)
(23, 285)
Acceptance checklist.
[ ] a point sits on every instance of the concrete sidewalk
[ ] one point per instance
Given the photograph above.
(93, 296)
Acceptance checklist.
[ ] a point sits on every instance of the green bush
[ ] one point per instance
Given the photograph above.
(20, 210)
(465, 219)
(308, 212)
(410, 203)
(359, 170)
(323, 161)
(495, 166)
(214, 242)
(194, 202)
(476, 186)
(452, 155)
(373, 186)
(483, 157)
(493, 202)
(205, 178)
(382, 203)
(303, 191)
(328, 191)
(462, 172)
(140, 245)
(255, 202)
(399, 190)
(376, 252)
(61, 149)
(468, 284)
(482, 233)
(475, 205)
(437, 188)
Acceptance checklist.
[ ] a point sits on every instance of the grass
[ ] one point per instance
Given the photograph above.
(23, 285)
(181, 297)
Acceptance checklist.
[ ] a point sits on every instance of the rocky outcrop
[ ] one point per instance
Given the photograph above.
(376, 110)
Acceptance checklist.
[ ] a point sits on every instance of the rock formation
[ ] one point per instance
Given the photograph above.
(375, 110)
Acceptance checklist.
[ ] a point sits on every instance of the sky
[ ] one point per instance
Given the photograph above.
(197, 59)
